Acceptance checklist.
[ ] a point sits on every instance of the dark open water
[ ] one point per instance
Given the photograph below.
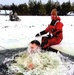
(9, 53)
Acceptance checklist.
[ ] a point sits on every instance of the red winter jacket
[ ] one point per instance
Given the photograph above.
(56, 30)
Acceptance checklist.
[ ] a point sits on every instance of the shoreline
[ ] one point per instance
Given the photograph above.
(8, 53)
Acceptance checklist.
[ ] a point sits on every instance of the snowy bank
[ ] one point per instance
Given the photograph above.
(18, 34)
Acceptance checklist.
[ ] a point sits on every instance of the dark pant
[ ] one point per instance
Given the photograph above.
(44, 40)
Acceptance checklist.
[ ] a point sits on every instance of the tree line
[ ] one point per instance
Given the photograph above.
(38, 8)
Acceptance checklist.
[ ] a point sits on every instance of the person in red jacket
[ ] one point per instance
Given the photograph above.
(55, 32)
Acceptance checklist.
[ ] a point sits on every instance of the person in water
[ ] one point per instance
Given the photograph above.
(34, 46)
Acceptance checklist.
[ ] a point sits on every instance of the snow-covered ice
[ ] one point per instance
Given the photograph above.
(18, 34)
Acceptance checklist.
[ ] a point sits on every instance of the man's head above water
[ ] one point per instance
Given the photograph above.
(34, 46)
(36, 42)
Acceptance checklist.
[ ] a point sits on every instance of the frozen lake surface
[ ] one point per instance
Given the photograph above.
(18, 34)
(15, 36)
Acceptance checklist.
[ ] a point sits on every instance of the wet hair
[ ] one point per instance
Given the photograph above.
(35, 42)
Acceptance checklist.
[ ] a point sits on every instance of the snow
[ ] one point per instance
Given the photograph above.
(18, 34)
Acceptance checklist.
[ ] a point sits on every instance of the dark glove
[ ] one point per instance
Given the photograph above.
(37, 35)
